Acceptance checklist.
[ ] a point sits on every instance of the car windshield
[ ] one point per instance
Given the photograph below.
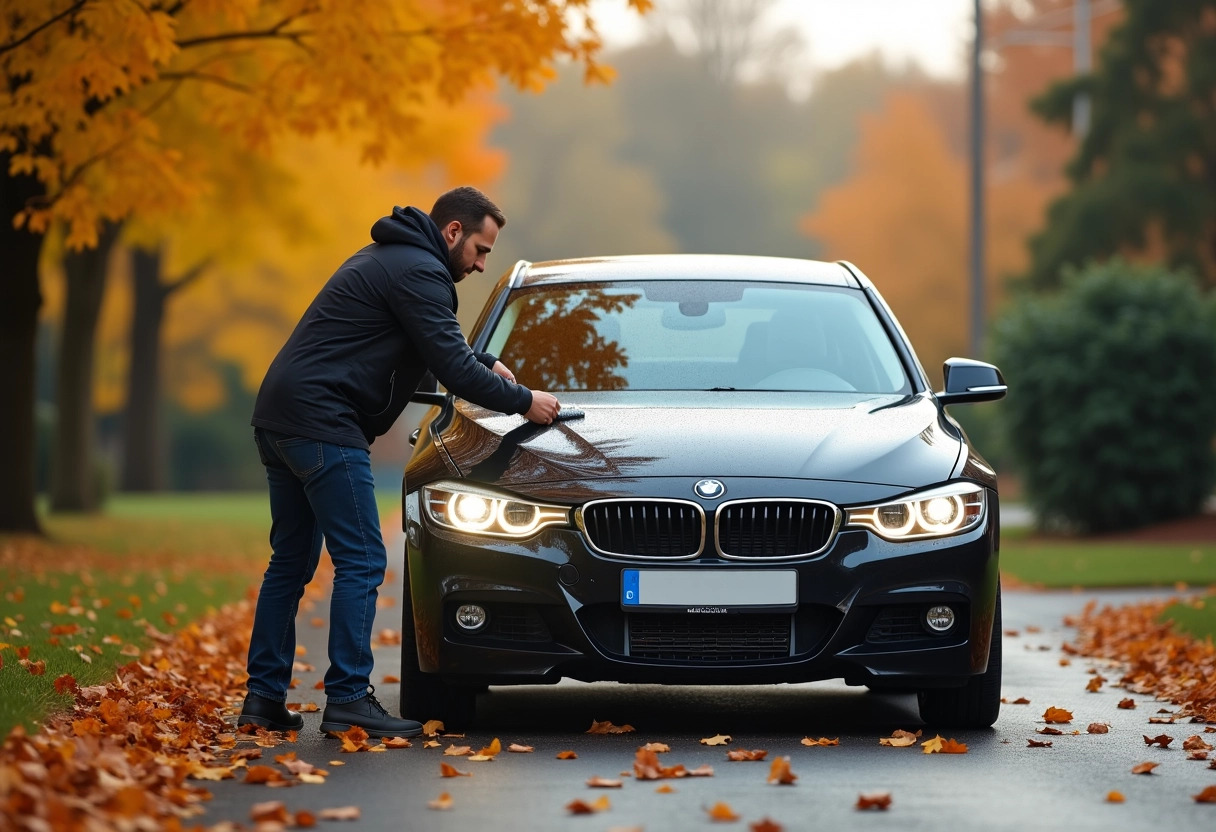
(696, 335)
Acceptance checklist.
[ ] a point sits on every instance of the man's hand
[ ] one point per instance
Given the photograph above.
(544, 408)
(501, 369)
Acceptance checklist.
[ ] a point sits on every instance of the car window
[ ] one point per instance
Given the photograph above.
(696, 335)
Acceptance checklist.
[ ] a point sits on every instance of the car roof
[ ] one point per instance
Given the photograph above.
(686, 267)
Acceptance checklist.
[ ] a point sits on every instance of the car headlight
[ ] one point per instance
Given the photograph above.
(938, 512)
(465, 508)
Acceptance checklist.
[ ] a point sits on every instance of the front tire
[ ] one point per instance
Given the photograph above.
(425, 696)
(977, 703)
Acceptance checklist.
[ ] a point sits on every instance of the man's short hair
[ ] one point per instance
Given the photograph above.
(467, 205)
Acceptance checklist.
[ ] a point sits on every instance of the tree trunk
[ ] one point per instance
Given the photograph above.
(20, 299)
(73, 476)
(142, 468)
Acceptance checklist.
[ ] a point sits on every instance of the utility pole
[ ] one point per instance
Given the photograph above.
(1082, 63)
(977, 185)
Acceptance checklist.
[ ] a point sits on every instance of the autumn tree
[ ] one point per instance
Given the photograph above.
(1143, 182)
(81, 143)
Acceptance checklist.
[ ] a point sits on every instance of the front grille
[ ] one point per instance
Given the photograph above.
(774, 528)
(709, 639)
(897, 624)
(645, 528)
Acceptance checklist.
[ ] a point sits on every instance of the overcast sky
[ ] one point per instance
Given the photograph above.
(934, 33)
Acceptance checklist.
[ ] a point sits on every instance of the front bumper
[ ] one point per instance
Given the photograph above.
(554, 611)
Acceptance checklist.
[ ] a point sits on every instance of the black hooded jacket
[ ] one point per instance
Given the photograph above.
(386, 317)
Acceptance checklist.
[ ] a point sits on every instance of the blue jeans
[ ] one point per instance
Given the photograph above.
(317, 490)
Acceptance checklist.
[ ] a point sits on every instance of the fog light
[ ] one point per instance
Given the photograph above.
(470, 617)
(939, 618)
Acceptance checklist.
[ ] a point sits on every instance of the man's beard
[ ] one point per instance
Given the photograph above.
(454, 266)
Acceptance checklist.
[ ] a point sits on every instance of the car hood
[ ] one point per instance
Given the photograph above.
(889, 440)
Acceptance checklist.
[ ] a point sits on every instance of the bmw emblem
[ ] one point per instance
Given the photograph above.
(709, 489)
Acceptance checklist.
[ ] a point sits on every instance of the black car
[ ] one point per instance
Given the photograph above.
(752, 482)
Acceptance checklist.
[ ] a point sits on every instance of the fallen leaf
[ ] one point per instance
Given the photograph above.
(951, 746)
(492, 750)
(353, 739)
(446, 770)
(779, 772)
(458, 750)
(1144, 768)
(66, 683)
(1114, 797)
(657, 747)
(390, 679)
(717, 739)
(397, 742)
(666, 788)
(1021, 700)
(1208, 795)
(604, 783)
(1047, 729)
(932, 746)
(1098, 728)
(432, 727)
(272, 811)
(722, 811)
(874, 800)
(900, 739)
(1038, 743)
(1095, 684)
(606, 727)
(520, 749)
(765, 825)
(1057, 715)
(1161, 740)
(444, 801)
(703, 770)
(1195, 743)
(821, 741)
(742, 754)
(1197, 755)
(1127, 704)
(340, 813)
(567, 755)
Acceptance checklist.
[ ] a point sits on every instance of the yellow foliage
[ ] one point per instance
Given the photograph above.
(102, 80)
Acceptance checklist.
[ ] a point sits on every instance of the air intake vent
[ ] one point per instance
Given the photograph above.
(645, 528)
(709, 639)
(759, 529)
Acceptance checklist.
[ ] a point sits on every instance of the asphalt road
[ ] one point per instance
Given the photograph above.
(1001, 783)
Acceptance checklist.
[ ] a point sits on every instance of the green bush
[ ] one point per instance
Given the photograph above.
(1111, 409)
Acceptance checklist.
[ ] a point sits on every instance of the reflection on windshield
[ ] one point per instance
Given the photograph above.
(556, 342)
(697, 335)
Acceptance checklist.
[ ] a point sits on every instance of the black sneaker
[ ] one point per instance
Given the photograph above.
(269, 714)
(369, 715)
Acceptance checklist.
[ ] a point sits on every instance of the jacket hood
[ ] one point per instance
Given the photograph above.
(412, 227)
(889, 440)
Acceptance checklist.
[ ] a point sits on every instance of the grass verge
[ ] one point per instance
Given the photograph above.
(83, 600)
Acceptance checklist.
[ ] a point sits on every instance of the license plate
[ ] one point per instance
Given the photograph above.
(709, 590)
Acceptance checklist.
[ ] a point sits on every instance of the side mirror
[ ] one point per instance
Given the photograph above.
(971, 381)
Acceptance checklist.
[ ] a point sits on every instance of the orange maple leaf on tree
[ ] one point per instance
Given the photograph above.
(779, 772)
(1057, 715)
(874, 800)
